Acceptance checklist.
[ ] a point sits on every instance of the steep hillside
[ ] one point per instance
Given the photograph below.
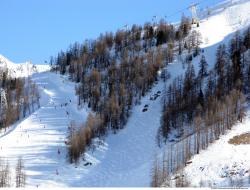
(223, 164)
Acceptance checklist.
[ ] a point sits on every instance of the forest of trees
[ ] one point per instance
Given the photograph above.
(191, 96)
(113, 73)
(203, 107)
(19, 96)
(5, 174)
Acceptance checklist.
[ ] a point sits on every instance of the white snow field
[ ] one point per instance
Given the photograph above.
(124, 159)
(223, 164)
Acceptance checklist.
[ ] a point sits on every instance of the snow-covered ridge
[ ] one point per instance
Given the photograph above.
(224, 19)
(21, 69)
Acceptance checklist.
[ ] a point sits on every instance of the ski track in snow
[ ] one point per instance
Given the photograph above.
(38, 137)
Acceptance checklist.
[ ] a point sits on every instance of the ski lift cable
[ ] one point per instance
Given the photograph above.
(180, 10)
(184, 9)
(201, 2)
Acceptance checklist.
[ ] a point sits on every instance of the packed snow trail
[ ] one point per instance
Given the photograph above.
(129, 155)
(39, 138)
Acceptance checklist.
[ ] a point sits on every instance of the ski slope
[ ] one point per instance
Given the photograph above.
(123, 159)
(38, 137)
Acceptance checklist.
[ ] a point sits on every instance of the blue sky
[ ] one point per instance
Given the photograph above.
(36, 29)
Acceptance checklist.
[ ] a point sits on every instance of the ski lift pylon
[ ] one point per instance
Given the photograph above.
(193, 9)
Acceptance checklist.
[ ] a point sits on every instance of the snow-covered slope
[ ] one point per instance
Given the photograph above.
(21, 69)
(38, 137)
(223, 164)
(124, 159)
(224, 20)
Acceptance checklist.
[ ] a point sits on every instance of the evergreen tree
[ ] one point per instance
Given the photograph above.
(235, 53)
(20, 174)
(220, 69)
(203, 70)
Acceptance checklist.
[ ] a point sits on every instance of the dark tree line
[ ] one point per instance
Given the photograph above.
(191, 94)
(208, 126)
(19, 96)
(114, 71)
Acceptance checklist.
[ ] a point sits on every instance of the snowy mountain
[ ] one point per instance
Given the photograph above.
(21, 69)
(126, 158)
